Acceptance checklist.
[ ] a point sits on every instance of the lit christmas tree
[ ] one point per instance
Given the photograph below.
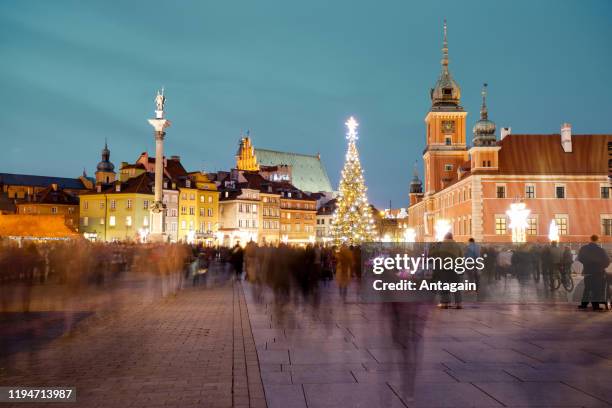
(352, 222)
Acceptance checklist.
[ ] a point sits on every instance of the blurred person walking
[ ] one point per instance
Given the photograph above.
(343, 269)
(237, 260)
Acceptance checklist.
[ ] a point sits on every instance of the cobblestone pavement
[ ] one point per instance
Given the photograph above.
(325, 353)
(195, 349)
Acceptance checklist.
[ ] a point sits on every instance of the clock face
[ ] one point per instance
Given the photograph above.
(448, 126)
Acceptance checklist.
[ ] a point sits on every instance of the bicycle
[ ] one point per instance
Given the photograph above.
(561, 277)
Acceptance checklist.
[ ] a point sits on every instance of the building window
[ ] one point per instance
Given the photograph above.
(209, 226)
(210, 212)
(500, 225)
(529, 191)
(191, 225)
(191, 210)
(562, 223)
(111, 221)
(210, 199)
(145, 204)
(532, 226)
(201, 212)
(560, 191)
(501, 191)
(448, 167)
(85, 205)
(183, 224)
(188, 183)
(129, 203)
(606, 225)
(183, 210)
(53, 210)
(113, 204)
(202, 198)
(85, 221)
(605, 192)
(101, 205)
(128, 221)
(192, 196)
(448, 141)
(102, 221)
(254, 208)
(145, 221)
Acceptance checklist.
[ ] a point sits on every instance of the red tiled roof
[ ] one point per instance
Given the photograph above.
(543, 154)
(142, 184)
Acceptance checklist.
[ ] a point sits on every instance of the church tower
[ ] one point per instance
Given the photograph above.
(446, 147)
(484, 154)
(245, 156)
(105, 171)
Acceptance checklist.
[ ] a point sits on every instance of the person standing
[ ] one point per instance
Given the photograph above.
(473, 252)
(343, 270)
(443, 250)
(595, 260)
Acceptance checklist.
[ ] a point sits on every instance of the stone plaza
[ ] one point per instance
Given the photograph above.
(231, 343)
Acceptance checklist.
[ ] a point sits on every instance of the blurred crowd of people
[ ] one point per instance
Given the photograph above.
(76, 265)
(286, 270)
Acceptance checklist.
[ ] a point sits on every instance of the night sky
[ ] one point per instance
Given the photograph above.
(75, 72)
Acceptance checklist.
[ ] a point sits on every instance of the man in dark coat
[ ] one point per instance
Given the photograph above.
(447, 249)
(595, 260)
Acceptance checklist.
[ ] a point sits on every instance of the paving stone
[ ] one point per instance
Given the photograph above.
(351, 395)
(539, 394)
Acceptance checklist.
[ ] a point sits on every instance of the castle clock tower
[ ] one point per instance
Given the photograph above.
(446, 143)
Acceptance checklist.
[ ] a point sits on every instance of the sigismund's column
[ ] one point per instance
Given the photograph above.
(157, 209)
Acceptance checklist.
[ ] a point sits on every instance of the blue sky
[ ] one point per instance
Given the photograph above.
(75, 72)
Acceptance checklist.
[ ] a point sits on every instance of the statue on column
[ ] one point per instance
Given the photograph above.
(160, 100)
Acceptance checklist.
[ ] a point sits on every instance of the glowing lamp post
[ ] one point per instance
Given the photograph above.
(442, 227)
(518, 214)
(409, 235)
(553, 231)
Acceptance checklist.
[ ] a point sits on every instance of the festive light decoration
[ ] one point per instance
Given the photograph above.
(553, 231)
(518, 214)
(352, 222)
(442, 227)
(410, 235)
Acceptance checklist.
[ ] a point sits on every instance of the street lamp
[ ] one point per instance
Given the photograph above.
(518, 214)
(553, 231)
(442, 227)
(409, 235)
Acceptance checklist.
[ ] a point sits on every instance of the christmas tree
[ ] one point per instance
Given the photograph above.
(352, 221)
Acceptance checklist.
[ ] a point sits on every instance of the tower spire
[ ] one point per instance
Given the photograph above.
(484, 113)
(445, 49)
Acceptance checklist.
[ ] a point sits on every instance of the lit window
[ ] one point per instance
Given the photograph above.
(532, 226)
(210, 212)
(254, 208)
(111, 221)
(562, 223)
(500, 225)
(85, 221)
(113, 204)
(145, 204)
(210, 199)
(529, 191)
(183, 224)
(85, 204)
(145, 221)
(129, 203)
(192, 196)
(128, 220)
(202, 198)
